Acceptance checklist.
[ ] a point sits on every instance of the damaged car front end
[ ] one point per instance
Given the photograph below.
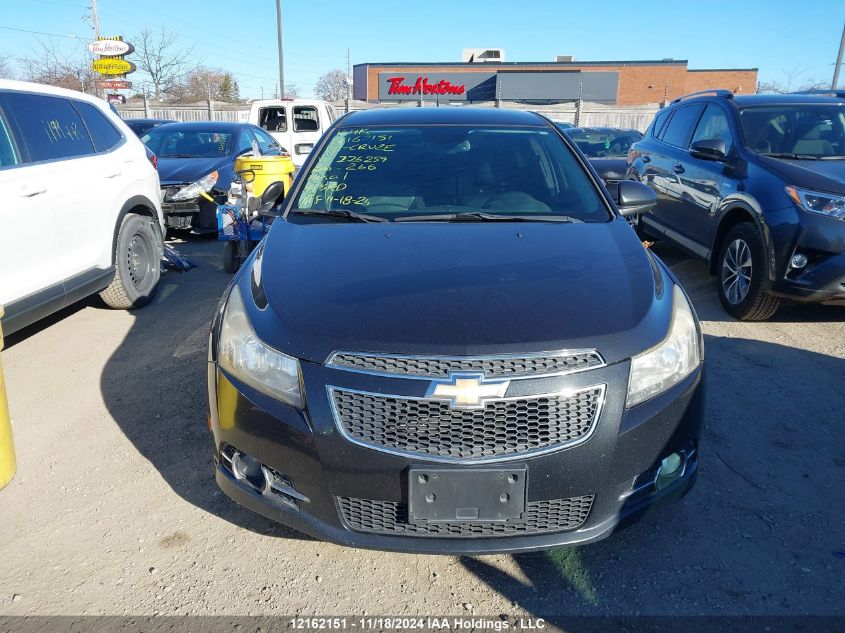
(437, 375)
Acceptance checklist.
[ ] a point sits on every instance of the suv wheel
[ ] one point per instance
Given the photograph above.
(136, 263)
(740, 274)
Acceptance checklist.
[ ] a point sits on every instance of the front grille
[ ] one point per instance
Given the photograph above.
(391, 517)
(431, 428)
(499, 367)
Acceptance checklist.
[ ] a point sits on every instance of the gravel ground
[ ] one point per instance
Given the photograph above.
(114, 509)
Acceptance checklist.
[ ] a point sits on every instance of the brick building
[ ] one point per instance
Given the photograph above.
(623, 83)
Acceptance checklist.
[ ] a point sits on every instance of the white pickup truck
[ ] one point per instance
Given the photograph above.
(296, 124)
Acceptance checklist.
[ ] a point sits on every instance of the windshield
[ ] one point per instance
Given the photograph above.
(169, 143)
(436, 170)
(799, 130)
(603, 142)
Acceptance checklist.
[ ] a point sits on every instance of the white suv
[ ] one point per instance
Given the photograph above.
(80, 205)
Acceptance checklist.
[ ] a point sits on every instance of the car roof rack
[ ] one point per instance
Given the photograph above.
(725, 94)
(822, 92)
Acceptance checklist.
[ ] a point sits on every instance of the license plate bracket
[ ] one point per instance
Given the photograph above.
(441, 494)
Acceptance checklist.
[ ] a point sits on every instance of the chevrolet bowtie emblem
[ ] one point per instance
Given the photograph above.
(467, 391)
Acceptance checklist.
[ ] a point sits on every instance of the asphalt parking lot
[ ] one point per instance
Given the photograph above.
(114, 509)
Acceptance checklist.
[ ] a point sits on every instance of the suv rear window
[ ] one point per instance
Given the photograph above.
(49, 126)
(679, 129)
(659, 121)
(451, 169)
(305, 119)
(103, 132)
(273, 119)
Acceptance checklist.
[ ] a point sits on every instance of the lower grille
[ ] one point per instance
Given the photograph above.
(431, 428)
(391, 517)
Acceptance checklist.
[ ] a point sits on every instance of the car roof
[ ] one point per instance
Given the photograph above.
(442, 116)
(780, 99)
(602, 129)
(263, 103)
(151, 120)
(36, 88)
(205, 126)
(742, 101)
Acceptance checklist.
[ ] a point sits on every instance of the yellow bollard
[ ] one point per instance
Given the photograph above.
(7, 448)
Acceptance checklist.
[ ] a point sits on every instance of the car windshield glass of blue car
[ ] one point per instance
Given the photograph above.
(169, 143)
(796, 131)
(603, 142)
(450, 172)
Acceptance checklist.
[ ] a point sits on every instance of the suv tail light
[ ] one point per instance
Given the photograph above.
(152, 157)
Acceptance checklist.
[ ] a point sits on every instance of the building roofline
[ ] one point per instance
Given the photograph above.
(720, 70)
(647, 62)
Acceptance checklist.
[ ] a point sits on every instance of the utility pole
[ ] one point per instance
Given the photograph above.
(281, 59)
(835, 81)
(348, 80)
(95, 19)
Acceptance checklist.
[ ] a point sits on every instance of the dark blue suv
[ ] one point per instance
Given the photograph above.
(756, 185)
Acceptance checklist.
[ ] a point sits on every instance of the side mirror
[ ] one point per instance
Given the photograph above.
(272, 197)
(709, 149)
(634, 198)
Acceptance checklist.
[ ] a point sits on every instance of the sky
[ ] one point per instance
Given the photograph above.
(787, 40)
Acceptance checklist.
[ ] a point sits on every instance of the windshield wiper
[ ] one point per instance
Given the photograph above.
(480, 216)
(341, 213)
(178, 156)
(790, 155)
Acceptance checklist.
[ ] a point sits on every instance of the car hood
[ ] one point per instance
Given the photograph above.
(824, 175)
(172, 171)
(458, 289)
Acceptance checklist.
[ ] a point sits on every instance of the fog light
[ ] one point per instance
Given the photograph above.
(799, 260)
(245, 468)
(670, 468)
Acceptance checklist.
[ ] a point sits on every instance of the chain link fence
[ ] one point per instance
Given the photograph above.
(587, 114)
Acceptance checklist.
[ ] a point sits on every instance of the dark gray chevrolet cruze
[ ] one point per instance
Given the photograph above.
(452, 341)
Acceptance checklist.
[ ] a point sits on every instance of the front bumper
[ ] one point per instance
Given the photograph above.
(199, 214)
(822, 240)
(306, 449)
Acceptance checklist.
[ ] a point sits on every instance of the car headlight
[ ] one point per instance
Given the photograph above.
(657, 369)
(828, 204)
(241, 353)
(195, 189)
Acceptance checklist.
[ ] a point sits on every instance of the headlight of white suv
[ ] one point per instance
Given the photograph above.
(828, 204)
(657, 369)
(241, 353)
(195, 189)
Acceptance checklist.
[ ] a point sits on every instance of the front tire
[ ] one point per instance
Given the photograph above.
(231, 257)
(137, 260)
(740, 272)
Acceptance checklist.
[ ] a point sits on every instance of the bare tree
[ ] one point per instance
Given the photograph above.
(291, 91)
(793, 81)
(333, 86)
(56, 68)
(203, 83)
(6, 71)
(159, 56)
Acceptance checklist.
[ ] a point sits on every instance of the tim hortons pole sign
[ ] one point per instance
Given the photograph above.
(110, 63)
